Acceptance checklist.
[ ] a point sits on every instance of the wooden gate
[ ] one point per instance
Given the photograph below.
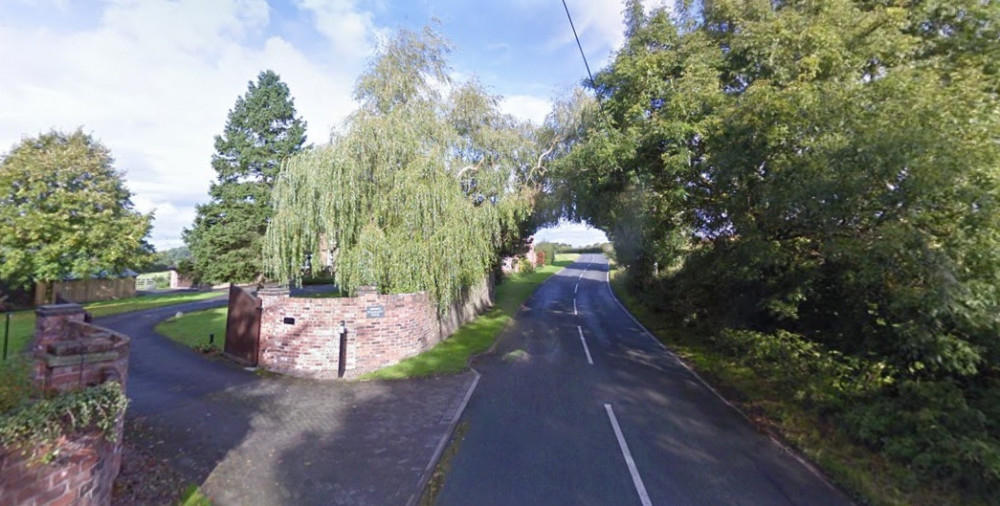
(243, 326)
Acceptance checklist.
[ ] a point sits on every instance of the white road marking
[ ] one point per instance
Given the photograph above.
(585, 348)
(574, 306)
(809, 467)
(634, 471)
(575, 288)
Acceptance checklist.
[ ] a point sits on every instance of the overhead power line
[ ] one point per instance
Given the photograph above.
(577, 37)
(600, 106)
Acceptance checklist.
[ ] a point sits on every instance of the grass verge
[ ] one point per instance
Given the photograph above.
(452, 355)
(193, 497)
(436, 483)
(193, 329)
(22, 323)
(860, 472)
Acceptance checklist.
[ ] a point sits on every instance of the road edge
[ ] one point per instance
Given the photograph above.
(425, 476)
(785, 448)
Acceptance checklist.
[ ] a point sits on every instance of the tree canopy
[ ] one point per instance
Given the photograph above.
(65, 212)
(837, 158)
(226, 239)
(424, 186)
(823, 172)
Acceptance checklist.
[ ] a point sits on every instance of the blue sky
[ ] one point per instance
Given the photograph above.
(154, 79)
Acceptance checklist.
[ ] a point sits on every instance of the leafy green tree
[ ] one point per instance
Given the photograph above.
(65, 211)
(828, 170)
(262, 131)
(839, 159)
(420, 192)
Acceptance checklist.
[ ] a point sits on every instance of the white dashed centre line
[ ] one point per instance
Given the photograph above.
(585, 348)
(577, 287)
(634, 471)
(574, 306)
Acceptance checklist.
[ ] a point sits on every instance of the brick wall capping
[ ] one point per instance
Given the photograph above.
(58, 309)
(274, 290)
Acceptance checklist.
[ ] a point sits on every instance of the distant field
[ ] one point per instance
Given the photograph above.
(153, 280)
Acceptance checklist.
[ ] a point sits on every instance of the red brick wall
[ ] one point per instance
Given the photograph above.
(69, 354)
(82, 473)
(309, 346)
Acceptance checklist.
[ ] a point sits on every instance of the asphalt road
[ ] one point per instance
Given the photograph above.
(579, 406)
(164, 375)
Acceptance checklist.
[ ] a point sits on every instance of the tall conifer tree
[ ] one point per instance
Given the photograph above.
(262, 131)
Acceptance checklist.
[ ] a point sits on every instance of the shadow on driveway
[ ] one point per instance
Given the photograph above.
(247, 439)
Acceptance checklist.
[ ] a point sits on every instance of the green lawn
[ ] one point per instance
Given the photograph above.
(22, 323)
(452, 355)
(192, 329)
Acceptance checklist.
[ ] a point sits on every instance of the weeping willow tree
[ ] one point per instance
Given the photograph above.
(419, 191)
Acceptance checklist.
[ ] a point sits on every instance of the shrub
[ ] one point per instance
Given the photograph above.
(548, 250)
(38, 423)
(16, 385)
(525, 266)
(807, 371)
(933, 428)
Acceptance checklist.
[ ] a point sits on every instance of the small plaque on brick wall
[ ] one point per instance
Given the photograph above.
(374, 311)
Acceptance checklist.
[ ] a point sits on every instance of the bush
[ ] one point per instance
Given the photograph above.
(43, 421)
(931, 426)
(805, 370)
(524, 266)
(16, 385)
(548, 250)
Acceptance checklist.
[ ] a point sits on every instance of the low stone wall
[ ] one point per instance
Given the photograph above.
(69, 354)
(300, 336)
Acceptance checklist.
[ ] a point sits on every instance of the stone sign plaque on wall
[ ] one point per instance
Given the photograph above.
(374, 311)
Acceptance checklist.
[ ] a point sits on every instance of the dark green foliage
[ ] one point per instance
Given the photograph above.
(42, 422)
(936, 427)
(226, 239)
(549, 249)
(819, 185)
(163, 260)
(65, 211)
(16, 385)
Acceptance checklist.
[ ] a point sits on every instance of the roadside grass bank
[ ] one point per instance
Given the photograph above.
(22, 323)
(452, 355)
(193, 329)
(192, 496)
(767, 394)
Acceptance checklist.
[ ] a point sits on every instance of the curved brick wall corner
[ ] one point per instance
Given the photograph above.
(298, 336)
(83, 473)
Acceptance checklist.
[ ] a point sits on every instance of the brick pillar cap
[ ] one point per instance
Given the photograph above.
(273, 290)
(58, 309)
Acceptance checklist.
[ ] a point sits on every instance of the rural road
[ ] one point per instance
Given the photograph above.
(579, 406)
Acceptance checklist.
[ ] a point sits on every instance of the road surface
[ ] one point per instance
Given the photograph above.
(579, 406)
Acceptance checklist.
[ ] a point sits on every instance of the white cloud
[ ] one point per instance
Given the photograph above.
(572, 233)
(526, 107)
(154, 81)
(599, 24)
(350, 31)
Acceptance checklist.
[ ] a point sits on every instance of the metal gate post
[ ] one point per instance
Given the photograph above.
(342, 363)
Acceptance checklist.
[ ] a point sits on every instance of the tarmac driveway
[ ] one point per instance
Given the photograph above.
(248, 439)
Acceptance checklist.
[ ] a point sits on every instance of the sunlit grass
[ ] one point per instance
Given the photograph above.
(452, 355)
(22, 323)
(193, 329)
